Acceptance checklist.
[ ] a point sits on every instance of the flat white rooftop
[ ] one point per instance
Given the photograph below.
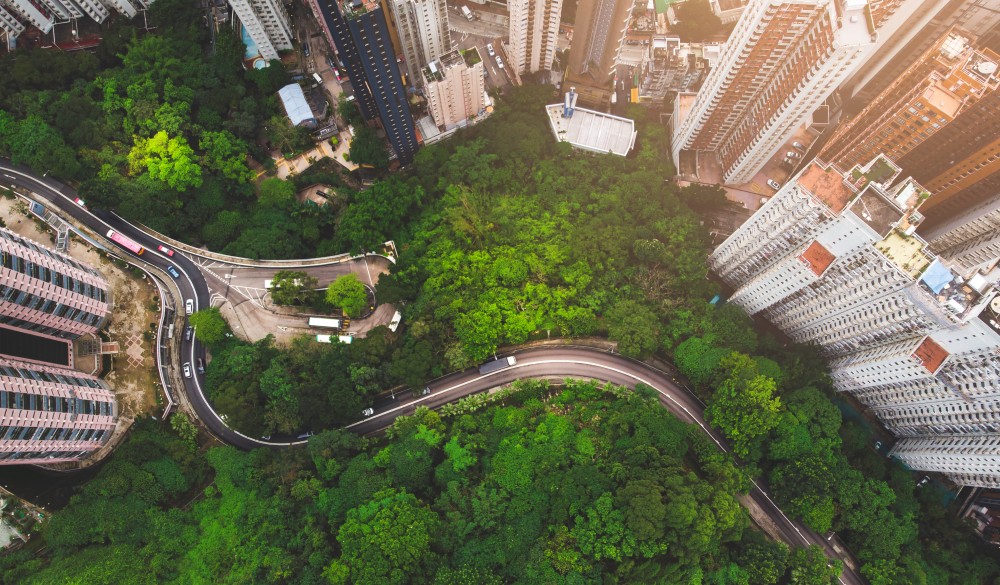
(592, 130)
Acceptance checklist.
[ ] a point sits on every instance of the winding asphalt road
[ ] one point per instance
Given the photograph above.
(548, 362)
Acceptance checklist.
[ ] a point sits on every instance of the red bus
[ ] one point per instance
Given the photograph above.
(126, 243)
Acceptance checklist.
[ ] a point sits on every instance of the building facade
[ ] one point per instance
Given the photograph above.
(15, 15)
(359, 31)
(900, 45)
(833, 259)
(454, 89)
(782, 61)
(533, 32)
(267, 24)
(949, 79)
(422, 28)
(970, 239)
(50, 414)
(598, 35)
(47, 292)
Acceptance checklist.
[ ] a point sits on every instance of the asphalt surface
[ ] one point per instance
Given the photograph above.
(549, 362)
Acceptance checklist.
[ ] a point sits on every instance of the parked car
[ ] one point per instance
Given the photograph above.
(173, 272)
(499, 62)
(793, 154)
(489, 49)
(773, 184)
(187, 369)
(188, 333)
(425, 391)
(201, 366)
(165, 250)
(367, 412)
(798, 146)
(305, 435)
(189, 306)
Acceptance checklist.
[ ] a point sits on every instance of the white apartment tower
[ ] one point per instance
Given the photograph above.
(833, 259)
(44, 14)
(266, 22)
(971, 239)
(454, 89)
(422, 27)
(781, 62)
(534, 30)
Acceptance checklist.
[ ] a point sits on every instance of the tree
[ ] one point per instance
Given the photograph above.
(294, 287)
(276, 193)
(388, 540)
(170, 160)
(226, 154)
(209, 325)
(367, 149)
(349, 294)
(634, 326)
(697, 21)
(809, 566)
(744, 406)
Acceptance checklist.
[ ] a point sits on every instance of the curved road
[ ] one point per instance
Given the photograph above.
(549, 362)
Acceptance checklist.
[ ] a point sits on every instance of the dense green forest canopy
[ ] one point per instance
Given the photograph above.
(538, 484)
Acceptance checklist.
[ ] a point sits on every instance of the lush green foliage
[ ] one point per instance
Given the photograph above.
(578, 485)
(209, 325)
(348, 294)
(294, 287)
(531, 238)
(697, 21)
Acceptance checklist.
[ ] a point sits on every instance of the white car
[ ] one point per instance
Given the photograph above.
(187, 369)
(499, 62)
(368, 412)
(189, 306)
(489, 49)
(773, 184)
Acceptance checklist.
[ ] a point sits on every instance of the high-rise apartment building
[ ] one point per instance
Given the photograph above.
(970, 239)
(267, 24)
(948, 80)
(359, 31)
(50, 414)
(422, 28)
(902, 43)
(967, 460)
(534, 30)
(47, 292)
(781, 62)
(454, 89)
(44, 14)
(833, 259)
(598, 35)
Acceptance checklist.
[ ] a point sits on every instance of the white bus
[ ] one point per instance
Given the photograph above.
(319, 80)
(329, 338)
(327, 323)
(394, 324)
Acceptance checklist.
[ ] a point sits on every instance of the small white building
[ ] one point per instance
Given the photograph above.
(590, 130)
(296, 106)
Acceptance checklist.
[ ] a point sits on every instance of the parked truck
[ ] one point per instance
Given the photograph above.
(496, 365)
(467, 13)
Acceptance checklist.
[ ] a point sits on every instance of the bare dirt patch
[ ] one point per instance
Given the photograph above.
(134, 315)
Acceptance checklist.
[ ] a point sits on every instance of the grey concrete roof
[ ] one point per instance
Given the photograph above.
(594, 131)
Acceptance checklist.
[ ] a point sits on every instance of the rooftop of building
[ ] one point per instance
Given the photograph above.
(296, 105)
(881, 171)
(878, 212)
(827, 185)
(590, 130)
(930, 355)
(907, 252)
(991, 313)
(944, 101)
(962, 297)
(856, 25)
(356, 8)
(817, 258)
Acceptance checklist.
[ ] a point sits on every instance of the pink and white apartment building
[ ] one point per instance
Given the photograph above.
(50, 414)
(47, 292)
